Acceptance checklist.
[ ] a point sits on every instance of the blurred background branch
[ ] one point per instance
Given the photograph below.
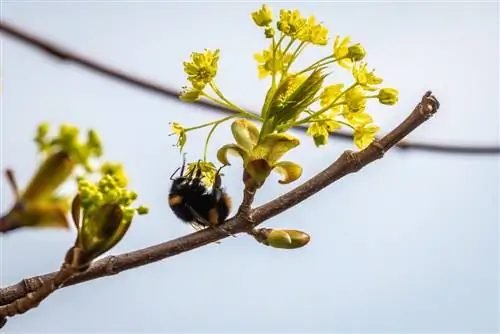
(63, 54)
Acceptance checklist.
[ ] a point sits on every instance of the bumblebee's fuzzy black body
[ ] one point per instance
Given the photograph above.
(192, 202)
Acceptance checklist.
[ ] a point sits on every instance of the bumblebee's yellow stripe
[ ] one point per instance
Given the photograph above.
(175, 200)
(228, 201)
(213, 217)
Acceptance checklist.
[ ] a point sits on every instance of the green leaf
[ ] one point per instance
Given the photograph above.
(232, 149)
(290, 171)
(245, 133)
(53, 172)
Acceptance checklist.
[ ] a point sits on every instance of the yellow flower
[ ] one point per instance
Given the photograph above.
(266, 61)
(181, 132)
(329, 94)
(358, 118)
(365, 78)
(355, 99)
(356, 52)
(341, 52)
(364, 134)
(388, 96)
(207, 170)
(261, 157)
(314, 33)
(263, 16)
(269, 32)
(202, 68)
(291, 22)
(190, 95)
(321, 127)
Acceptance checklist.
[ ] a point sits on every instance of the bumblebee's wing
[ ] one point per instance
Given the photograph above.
(197, 217)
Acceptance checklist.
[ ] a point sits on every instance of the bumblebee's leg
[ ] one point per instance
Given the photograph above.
(11, 180)
(197, 227)
(172, 176)
(181, 168)
(204, 222)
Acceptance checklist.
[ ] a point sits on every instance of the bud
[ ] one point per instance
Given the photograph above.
(320, 140)
(285, 239)
(356, 52)
(263, 16)
(102, 230)
(269, 32)
(388, 96)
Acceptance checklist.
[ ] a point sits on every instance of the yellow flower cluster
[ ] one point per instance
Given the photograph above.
(295, 97)
(109, 190)
(338, 106)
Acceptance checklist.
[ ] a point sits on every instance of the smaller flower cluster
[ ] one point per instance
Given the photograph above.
(110, 190)
(67, 141)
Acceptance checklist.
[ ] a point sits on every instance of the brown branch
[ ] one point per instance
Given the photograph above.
(63, 54)
(32, 299)
(348, 162)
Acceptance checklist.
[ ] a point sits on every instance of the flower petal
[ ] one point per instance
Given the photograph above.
(274, 146)
(233, 149)
(245, 133)
(290, 171)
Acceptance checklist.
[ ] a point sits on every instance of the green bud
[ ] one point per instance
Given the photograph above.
(269, 32)
(388, 96)
(285, 239)
(102, 230)
(320, 140)
(142, 210)
(356, 52)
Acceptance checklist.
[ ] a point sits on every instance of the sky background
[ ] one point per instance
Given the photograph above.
(409, 244)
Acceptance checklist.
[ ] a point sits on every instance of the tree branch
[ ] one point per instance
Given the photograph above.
(63, 54)
(348, 162)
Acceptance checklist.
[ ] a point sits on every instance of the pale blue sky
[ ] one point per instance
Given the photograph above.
(409, 244)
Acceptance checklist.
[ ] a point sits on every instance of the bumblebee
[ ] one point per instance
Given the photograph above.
(192, 202)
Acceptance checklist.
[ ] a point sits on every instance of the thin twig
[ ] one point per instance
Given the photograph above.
(66, 55)
(348, 162)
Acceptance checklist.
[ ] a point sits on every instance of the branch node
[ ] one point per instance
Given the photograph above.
(352, 159)
(379, 148)
(32, 284)
(428, 105)
(110, 265)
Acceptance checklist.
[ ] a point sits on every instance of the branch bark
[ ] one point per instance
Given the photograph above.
(349, 162)
(65, 55)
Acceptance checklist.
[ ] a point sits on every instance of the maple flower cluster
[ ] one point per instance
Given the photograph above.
(296, 96)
